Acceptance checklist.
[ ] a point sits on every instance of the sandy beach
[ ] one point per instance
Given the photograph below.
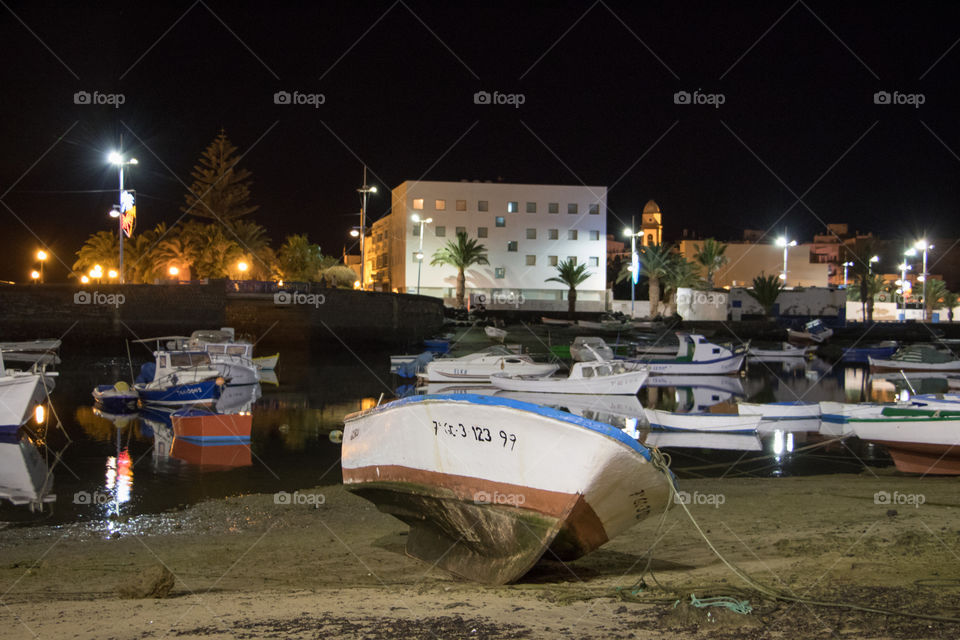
(247, 567)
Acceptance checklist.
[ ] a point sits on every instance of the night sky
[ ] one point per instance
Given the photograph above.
(798, 119)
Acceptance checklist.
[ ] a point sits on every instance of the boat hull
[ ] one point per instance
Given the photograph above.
(923, 458)
(19, 394)
(204, 392)
(780, 410)
(476, 479)
(722, 366)
(213, 427)
(620, 384)
(440, 371)
(706, 422)
(878, 365)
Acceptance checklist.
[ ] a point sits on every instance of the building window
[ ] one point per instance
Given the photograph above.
(440, 205)
(531, 207)
(553, 207)
(531, 261)
(513, 206)
(418, 203)
(594, 234)
(501, 221)
(571, 234)
(500, 272)
(512, 245)
(553, 234)
(481, 232)
(441, 232)
(416, 230)
(461, 205)
(650, 241)
(595, 209)
(594, 261)
(462, 230)
(572, 208)
(482, 205)
(531, 234)
(552, 261)
(572, 259)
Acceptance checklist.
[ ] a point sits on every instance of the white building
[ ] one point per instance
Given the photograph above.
(527, 230)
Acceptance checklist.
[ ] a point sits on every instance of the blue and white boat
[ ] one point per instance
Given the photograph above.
(179, 378)
(862, 354)
(695, 355)
(116, 398)
(705, 421)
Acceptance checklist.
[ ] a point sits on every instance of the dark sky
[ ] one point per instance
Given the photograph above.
(598, 79)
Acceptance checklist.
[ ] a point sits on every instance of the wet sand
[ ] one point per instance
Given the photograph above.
(245, 567)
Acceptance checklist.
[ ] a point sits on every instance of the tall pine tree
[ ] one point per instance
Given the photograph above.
(220, 190)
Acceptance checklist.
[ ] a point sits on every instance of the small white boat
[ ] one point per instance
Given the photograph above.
(781, 410)
(710, 422)
(607, 323)
(695, 355)
(495, 334)
(554, 322)
(479, 366)
(919, 441)
(488, 485)
(20, 394)
(601, 377)
(29, 346)
(918, 357)
(814, 332)
(587, 348)
(703, 440)
(786, 350)
(179, 377)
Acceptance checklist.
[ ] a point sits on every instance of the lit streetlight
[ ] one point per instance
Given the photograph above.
(903, 283)
(242, 268)
(921, 245)
(112, 273)
(42, 257)
(634, 267)
(35, 275)
(173, 271)
(846, 266)
(363, 191)
(421, 221)
(117, 159)
(786, 244)
(85, 279)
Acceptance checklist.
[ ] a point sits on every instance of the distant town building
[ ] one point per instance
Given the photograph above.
(747, 260)
(527, 230)
(652, 224)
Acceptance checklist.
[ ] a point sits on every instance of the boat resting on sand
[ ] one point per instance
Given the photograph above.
(488, 484)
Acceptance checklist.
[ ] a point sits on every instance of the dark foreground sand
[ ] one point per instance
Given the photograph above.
(245, 567)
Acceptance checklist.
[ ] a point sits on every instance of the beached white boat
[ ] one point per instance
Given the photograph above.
(479, 366)
(495, 334)
(798, 410)
(814, 332)
(703, 440)
(20, 394)
(919, 441)
(587, 348)
(786, 350)
(601, 377)
(711, 422)
(489, 484)
(612, 409)
(695, 355)
(918, 357)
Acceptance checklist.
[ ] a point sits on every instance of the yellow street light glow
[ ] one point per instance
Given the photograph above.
(35, 275)
(40, 414)
(356, 285)
(84, 279)
(41, 255)
(112, 273)
(173, 271)
(354, 233)
(242, 266)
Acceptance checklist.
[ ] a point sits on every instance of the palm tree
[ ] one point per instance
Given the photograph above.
(655, 264)
(682, 273)
(218, 255)
(861, 253)
(936, 289)
(100, 248)
(950, 300)
(299, 259)
(766, 290)
(874, 284)
(710, 255)
(253, 239)
(462, 254)
(175, 250)
(571, 274)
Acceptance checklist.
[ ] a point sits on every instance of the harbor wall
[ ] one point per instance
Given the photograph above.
(99, 314)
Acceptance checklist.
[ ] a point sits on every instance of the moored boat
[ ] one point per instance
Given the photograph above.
(179, 377)
(786, 350)
(863, 353)
(21, 392)
(554, 322)
(211, 427)
(706, 421)
(489, 484)
(920, 441)
(479, 366)
(814, 332)
(918, 357)
(797, 410)
(695, 355)
(599, 377)
(116, 398)
(495, 334)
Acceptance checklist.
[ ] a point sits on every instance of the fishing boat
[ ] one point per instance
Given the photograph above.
(814, 332)
(21, 392)
(608, 323)
(703, 440)
(919, 441)
(227, 335)
(586, 348)
(918, 357)
(703, 421)
(488, 484)
(116, 398)
(211, 427)
(881, 351)
(179, 377)
(479, 366)
(797, 410)
(695, 355)
(785, 350)
(30, 346)
(554, 322)
(232, 360)
(495, 334)
(601, 377)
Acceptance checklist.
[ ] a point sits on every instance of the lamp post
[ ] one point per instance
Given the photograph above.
(921, 245)
(846, 266)
(363, 191)
(42, 257)
(786, 244)
(117, 159)
(421, 221)
(34, 275)
(904, 267)
(634, 267)
(242, 268)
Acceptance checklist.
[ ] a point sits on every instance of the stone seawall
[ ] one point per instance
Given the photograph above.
(108, 313)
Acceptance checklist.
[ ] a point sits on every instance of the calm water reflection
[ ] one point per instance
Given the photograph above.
(110, 468)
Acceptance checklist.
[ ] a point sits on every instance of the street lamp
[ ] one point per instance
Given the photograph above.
(117, 159)
(42, 257)
(84, 279)
(904, 267)
(242, 268)
(173, 271)
(112, 273)
(783, 242)
(921, 245)
(419, 255)
(846, 267)
(363, 191)
(634, 267)
(35, 275)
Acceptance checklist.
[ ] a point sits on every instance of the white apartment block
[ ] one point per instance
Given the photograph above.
(527, 230)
